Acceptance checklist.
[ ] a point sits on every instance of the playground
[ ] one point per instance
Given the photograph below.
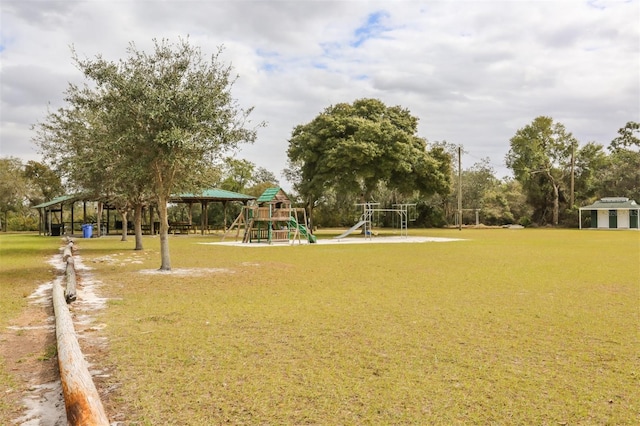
(272, 219)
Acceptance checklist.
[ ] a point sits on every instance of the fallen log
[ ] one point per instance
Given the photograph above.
(81, 399)
(67, 252)
(70, 275)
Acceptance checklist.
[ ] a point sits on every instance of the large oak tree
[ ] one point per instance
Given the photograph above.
(353, 148)
(540, 157)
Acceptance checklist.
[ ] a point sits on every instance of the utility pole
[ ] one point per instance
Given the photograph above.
(460, 188)
(573, 166)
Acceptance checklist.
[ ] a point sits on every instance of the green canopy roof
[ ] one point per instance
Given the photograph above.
(213, 194)
(268, 195)
(57, 200)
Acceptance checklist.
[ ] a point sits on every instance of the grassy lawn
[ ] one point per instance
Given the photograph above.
(507, 327)
(23, 266)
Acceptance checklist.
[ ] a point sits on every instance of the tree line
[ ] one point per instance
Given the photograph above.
(367, 152)
(160, 123)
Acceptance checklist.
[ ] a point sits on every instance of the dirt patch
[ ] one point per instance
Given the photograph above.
(29, 351)
(187, 272)
(28, 348)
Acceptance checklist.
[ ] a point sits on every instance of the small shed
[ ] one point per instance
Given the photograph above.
(613, 213)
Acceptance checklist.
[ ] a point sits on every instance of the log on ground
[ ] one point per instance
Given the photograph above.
(81, 398)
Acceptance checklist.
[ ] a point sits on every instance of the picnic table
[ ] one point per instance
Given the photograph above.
(180, 227)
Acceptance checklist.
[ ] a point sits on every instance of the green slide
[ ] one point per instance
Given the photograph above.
(303, 230)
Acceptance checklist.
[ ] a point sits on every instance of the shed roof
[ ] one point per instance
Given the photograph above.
(213, 194)
(269, 194)
(612, 203)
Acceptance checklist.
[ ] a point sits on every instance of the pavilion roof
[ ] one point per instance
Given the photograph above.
(213, 194)
(57, 200)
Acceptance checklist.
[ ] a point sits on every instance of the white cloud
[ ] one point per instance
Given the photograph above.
(472, 71)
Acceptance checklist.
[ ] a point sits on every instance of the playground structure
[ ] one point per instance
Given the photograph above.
(271, 220)
(402, 214)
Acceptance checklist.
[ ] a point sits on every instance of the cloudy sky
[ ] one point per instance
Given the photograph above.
(472, 71)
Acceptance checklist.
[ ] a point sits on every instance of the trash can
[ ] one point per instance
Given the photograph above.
(87, 230)
(56, 230)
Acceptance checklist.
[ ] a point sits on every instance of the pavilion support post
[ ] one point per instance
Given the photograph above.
(204, 217)
(72, 218)
(143, 218)
(40, 222)
(152, 224)
(62, 231)
(98, 219)
(224, 210)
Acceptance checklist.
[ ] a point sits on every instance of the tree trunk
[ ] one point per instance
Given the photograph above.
(310, 208)
(125, 224)
(556, 198)
(137, 225)
(164, 233)
(556, 203)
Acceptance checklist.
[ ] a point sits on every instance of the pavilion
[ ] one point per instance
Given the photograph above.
(214, 195)
(53, 213)
(52, 210)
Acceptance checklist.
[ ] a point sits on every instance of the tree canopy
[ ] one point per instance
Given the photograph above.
(243, 176)
(540, 158)
(13, 187)
(152, 122)
(22, 186)
(621, 174)
(628, 137)
(354, 148)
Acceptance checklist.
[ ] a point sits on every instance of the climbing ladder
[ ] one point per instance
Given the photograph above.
(406, 213)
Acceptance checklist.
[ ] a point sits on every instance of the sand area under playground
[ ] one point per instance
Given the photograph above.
(351, 240)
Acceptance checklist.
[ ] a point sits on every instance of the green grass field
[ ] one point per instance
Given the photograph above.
(22, 268)
(506, 327)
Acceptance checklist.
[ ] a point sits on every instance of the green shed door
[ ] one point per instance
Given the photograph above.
(633, 219)
(613, 219)
(594, 219)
